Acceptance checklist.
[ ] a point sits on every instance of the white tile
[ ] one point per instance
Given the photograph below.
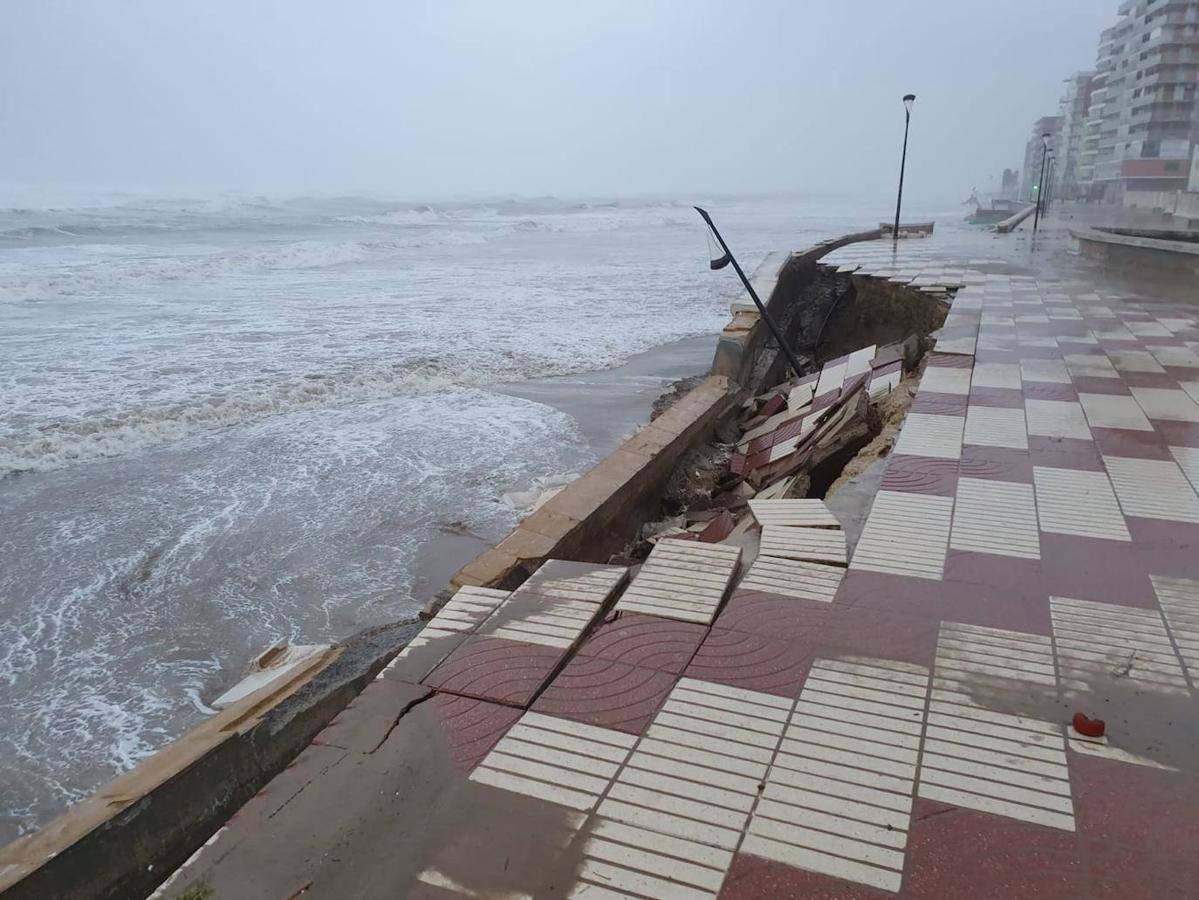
(1152, 489)
(811, 544)
(1114, 411)
(905, 534)
(997, 517)
(794, 578)
(1052, 370)
(695, 775)
(564, 763)
(881, 385)
(807, 513)
(859, 361)
(997, 375)
(982, 759)
(1148, 329)
(684, 580)
(1134, 361)
(1188, 461)
(1097, 643)
(931, 435)
(960, 345)
(1166, 403)
(830, 805)
(972, 652)
(1072, 501)
(994, 426)
(1056, 419)
(1181, 357)
(831, 377)
(945, 380)
(1084, 365)
(1179, 600)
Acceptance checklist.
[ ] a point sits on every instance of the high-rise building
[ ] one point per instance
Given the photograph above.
(1143, 115)
(1075, 111)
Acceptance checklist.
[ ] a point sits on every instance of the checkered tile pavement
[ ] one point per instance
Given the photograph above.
(897, 724)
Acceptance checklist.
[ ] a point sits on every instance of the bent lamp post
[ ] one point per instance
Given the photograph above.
(724, 260)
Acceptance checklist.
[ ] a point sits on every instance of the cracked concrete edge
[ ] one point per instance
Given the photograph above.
(133, 832)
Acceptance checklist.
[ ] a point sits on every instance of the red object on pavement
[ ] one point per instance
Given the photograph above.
(1089, 727)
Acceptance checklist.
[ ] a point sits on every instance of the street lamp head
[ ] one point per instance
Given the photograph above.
(907, 102)
(1045, 140)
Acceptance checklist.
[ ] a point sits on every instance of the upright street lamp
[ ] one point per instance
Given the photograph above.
(907, 120)
(1041, 182)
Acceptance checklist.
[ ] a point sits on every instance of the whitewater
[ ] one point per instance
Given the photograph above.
(230, 419)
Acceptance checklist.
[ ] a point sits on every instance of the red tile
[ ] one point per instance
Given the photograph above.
(955, 852)
(752, 662)
(939, 404)
(1149, 379)
(921, 475)
(1002, 397)
(995, 463)
(646, 641)
(1137, 826)
(1064, 453)
(951, 360)
(605, 693)
(1177, 434)
(1087, 385)
(883, 634)
(754, 878)
(471, 727)
(1047, 390)
(495, 669)
(772, 616)
(1166, 547)
(1094, 569)
(1126, 442)
(774, 404)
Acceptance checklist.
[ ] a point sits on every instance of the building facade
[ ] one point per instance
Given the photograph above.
(1075, 111)
(1142, 119)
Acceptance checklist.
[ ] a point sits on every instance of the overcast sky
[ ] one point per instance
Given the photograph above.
(570, 97)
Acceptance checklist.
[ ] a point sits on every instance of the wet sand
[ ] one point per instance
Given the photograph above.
(607, 405)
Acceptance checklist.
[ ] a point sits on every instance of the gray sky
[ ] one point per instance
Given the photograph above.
(587, 98)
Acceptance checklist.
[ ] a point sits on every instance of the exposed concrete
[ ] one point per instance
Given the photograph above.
(596, 515)
(1011, 222)
(907, 229)
(740, 343)
(875, 311)
(126, 837)
(1144, 253)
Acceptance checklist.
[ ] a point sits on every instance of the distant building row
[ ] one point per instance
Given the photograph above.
(1130, 126)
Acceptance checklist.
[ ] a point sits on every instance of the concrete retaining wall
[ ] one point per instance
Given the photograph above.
(742, 340)
(1140, 255)
(124, 839)
(597, 514)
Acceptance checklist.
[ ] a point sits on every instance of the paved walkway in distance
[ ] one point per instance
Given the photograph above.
(1033, 552)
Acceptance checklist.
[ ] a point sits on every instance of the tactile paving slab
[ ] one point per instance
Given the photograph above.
(682, 580)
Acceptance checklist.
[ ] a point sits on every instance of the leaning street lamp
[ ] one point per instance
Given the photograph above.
(726, 257)
(908, 99)
(1041, 182)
